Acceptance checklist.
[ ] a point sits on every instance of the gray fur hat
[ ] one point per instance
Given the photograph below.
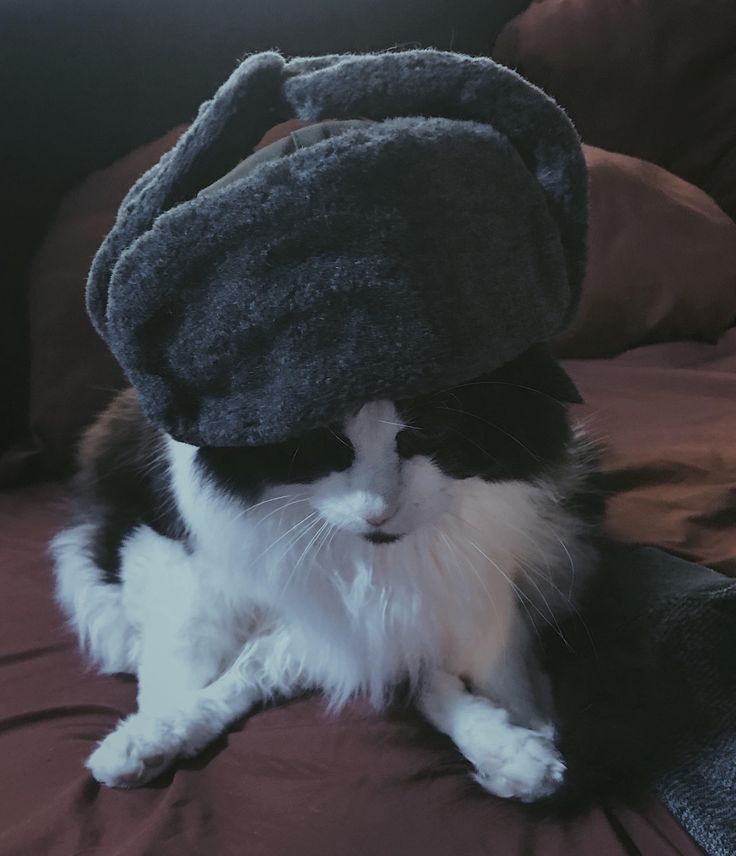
(432, 242)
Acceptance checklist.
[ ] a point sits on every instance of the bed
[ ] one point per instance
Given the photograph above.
(653, 351)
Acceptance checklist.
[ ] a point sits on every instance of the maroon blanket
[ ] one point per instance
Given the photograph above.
(654, 353)
(291, 781)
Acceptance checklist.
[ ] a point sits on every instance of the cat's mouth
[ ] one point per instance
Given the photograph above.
(381, 537)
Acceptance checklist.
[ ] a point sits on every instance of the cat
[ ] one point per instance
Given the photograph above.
(420, 542)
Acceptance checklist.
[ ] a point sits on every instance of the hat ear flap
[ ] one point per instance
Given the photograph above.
(226, 129)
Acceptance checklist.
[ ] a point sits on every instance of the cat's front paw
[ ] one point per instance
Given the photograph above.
(138, 751)
(523, 765)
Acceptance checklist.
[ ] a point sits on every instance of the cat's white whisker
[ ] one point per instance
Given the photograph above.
(513, 585)
(251, 508)
(281, 537)
(283, 507)
(454, 547)
(400, 425)
(315, 536)
(305, 530)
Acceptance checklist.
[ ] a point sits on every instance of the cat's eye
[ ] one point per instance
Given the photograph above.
(317, 453)
(406, 443)
(420, 441)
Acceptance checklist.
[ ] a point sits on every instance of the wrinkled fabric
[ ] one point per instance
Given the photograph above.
(288, 780)
(666, 417)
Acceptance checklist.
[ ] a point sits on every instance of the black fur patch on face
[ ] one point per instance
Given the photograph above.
(246, 470)
(510, 424)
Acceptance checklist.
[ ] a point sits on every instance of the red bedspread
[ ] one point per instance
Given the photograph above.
(291, 781)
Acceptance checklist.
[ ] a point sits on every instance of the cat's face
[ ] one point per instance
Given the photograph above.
(390, 469)
(382, 494)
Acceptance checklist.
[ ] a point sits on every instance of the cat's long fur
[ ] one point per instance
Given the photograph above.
(420, 545)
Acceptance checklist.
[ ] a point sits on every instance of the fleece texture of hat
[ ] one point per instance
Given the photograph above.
(433, 242)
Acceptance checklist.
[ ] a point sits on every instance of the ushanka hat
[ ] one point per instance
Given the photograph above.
(432, 230)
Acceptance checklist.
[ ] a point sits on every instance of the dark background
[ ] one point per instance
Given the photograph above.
(84, 81)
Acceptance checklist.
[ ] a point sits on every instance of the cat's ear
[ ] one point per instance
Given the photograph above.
(560, 385)
(539, 370)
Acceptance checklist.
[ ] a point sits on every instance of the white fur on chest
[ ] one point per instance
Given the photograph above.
(365, 616)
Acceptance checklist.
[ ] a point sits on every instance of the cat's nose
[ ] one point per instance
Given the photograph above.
(378, 519)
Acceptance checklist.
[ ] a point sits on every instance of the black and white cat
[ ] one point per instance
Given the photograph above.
(417, 541)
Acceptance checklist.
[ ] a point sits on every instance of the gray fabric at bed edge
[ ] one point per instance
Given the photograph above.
(663, 664)
(423, 248)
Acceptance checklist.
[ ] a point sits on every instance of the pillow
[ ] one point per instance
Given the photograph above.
(661, 261)
(650, 78)
(72, 373)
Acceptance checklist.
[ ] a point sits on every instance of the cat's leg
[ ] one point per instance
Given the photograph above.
(146, 743)
(500, 714)
(508, 673)
(510, 760)
(186, 639)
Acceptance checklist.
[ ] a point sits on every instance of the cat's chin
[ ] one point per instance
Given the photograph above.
(381, 537)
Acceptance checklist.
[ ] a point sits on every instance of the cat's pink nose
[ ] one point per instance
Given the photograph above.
(378, 519)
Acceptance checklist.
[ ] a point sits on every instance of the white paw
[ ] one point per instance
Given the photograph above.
(139, 749)
(515, 762)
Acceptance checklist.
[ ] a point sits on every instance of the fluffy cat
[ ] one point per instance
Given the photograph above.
(423, 540)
